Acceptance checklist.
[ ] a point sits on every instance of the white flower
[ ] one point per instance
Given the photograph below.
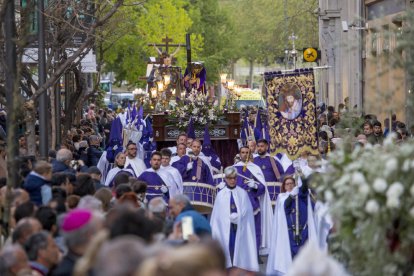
(393, 202)
(389, 141)
(363, 189)
(380, 185)
(390, 166)
(195, 111)
(395, 190)
(358, 178)
(406, 165)
(372, 206)
(412, 212)
(328, 196)
(412, 190)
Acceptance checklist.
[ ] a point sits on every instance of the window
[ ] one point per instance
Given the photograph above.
(384, 7)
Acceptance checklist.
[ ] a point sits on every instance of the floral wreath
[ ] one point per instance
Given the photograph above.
(197, 107)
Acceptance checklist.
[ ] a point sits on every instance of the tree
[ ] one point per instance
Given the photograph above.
(215, 26)
(150, 24)
(262, 30)
(66, 22)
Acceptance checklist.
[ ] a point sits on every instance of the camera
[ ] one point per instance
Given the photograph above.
(74, 164)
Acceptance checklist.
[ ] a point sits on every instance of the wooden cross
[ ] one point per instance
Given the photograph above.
(166, 44)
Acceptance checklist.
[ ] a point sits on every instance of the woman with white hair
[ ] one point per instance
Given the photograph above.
(232, 224)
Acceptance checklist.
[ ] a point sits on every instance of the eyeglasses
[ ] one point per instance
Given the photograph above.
(132, 149)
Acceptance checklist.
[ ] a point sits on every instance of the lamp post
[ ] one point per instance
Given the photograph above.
(293, 52)
(43, 104)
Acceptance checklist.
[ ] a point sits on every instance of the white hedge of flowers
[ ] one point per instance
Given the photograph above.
(371, 195)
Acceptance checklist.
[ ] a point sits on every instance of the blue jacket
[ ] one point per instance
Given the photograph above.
(33, 185)
(200, 223)
(93, 156)
(58, 166)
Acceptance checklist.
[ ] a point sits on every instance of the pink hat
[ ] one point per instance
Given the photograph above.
(76, 219)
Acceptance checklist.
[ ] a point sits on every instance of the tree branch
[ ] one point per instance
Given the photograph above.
(87, 44)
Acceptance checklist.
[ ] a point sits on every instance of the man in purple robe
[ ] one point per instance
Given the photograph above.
(272, 169)
(198, 183)
(157, 180)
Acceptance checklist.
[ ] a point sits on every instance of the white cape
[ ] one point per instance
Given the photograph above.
(266, 210)
(176, 178)
(284, 161)
(137, 165)
(245, 251)
(280, 258)
(167, 178)
(104, 166)
(113, 172)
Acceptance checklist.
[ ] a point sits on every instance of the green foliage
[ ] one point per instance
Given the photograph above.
(222, 32)
(214, 25)
(261, 30)
(128, 54)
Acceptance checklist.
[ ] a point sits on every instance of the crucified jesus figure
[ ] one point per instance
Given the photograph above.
(166, 59)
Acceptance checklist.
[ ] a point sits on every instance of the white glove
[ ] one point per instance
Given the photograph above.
(295, 191)
(221, 185)
(189, 166)
(252, 184)
(234, 218)
(164, 189)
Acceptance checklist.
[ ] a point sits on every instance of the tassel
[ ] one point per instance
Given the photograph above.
(329, 146)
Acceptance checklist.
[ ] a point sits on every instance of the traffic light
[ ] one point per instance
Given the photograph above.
(311, 54)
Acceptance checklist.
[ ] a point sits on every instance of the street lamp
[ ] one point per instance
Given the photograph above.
(223, 78)
(167, 79)
(153, 92)
(160, 86)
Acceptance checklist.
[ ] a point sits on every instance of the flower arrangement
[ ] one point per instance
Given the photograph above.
(371, 196)
(196, 107)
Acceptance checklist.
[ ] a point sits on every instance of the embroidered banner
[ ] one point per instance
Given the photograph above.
(292, 112)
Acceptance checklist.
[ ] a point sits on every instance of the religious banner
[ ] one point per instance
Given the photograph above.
(292, 112)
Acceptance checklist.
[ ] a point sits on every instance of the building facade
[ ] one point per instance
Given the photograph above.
(341, 51)
(387, 86)
(359, 42)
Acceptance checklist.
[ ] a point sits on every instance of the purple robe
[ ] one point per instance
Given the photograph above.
(201, 191)
(296, 242)
(190, 175)
(272, 182)
(200, 78)
(154, 184)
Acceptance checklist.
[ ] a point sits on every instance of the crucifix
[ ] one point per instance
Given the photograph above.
(165, 56)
